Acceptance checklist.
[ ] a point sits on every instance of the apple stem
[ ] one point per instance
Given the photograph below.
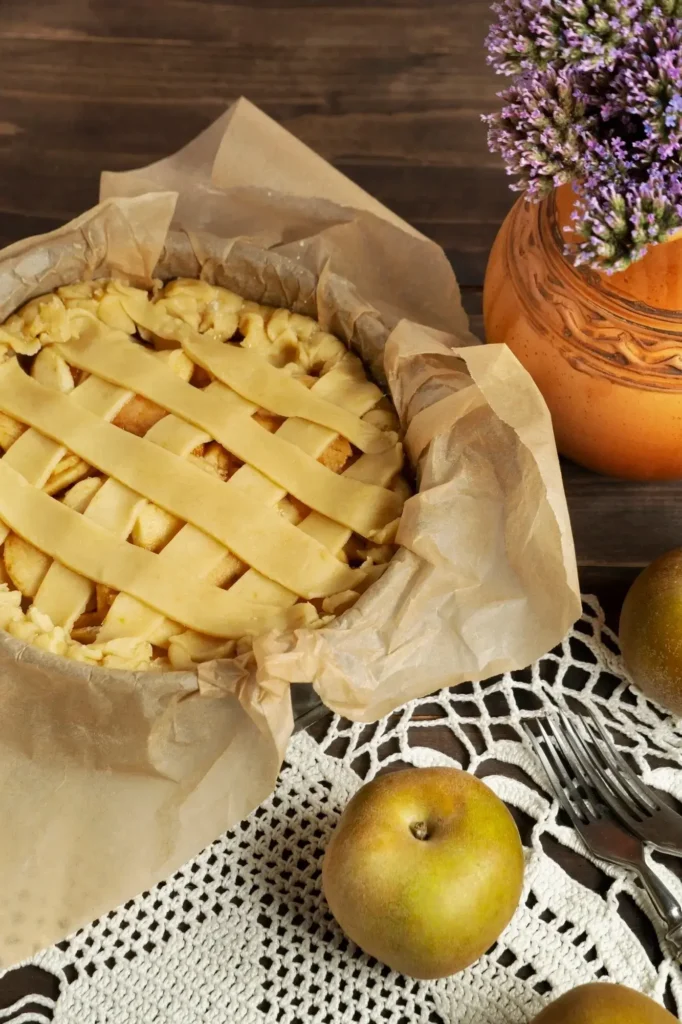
(419, 830)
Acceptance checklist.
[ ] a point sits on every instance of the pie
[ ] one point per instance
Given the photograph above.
(182, 470)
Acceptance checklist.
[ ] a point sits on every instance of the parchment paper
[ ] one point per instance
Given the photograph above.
(111, 780)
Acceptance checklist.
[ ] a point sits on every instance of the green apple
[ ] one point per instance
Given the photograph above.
(424, 870)
(602, 1003)
(651, 631)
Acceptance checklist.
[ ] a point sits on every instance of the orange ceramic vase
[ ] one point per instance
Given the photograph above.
(605, 350)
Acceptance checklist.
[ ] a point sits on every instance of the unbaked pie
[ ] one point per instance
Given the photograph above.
(182, 470)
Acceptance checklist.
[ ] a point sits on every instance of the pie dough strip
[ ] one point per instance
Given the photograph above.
(253, 586)
(92, 551)
(36, 456)
(63, 595)
(255, 534)
(190, 547)
(365, 508)
(256, 379)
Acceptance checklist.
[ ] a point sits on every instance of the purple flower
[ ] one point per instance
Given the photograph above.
(540, 130)
(597, 100)
(648, 94)
(561, 33)
(618, 228)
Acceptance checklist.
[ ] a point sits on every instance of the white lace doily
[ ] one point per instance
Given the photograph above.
(242, 934)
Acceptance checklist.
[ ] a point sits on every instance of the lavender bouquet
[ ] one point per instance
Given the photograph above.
(596, 100)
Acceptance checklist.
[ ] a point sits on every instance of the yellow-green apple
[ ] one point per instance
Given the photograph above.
(651, 631)
(424, 870)
(602, 1003)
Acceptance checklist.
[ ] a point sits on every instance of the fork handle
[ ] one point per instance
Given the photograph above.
(666, 904)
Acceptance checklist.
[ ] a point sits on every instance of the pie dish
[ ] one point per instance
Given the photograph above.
(182, 470)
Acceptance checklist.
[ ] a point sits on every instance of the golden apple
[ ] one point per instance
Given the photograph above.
(424, 870)
(651, 631)
(602, 1003)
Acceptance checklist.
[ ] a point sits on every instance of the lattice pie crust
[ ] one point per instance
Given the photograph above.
(183, 470)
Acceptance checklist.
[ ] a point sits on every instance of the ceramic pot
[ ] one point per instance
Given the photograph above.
(605, 350)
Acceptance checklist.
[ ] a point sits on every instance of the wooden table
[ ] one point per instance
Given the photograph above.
(390, 91)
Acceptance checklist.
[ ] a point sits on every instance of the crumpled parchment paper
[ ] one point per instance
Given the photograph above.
(111, 780)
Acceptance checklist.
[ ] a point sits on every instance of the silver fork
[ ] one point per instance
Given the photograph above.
(640, 808)
(572, 782)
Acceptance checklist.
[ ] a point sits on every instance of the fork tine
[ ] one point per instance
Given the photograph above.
(585, 754)
(554, 780)
(559, 778)
(591, 737)
(619, 765)
(574, 776)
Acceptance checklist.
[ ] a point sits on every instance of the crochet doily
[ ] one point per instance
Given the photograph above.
(242, 934)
